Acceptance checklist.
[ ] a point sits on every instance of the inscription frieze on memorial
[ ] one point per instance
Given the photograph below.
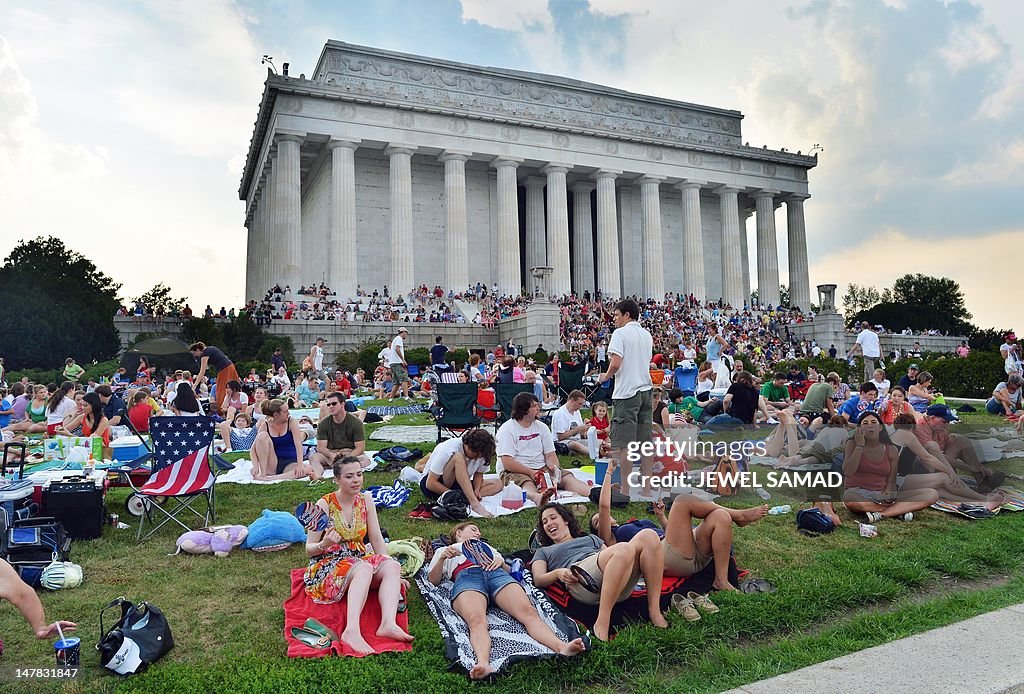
(456, 91)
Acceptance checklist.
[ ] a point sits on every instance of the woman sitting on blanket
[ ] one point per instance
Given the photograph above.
(802, 443)
(688, 549)
(342, 565)
(277, 449)
(593, 573)
(919, 469)
(480, 581)
(35, 413)
(870, 466)
(255, 408)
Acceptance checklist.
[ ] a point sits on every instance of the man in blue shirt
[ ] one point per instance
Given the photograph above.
(438, 355)
(866, 401)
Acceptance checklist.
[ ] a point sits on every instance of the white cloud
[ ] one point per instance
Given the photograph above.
(27, 155)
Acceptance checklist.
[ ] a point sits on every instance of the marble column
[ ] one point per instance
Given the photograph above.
(268, 273)
(456, 232)
(653, 262)
(342, 237)
(732, 272)
(767, 248)
(583, 239)
(252, 229)
(400, 246)
(288, 212)
(558, 229)
(693, 239)
(536, 250)
(799, 279)
(608, 280)
(509, 277)
(744, 213)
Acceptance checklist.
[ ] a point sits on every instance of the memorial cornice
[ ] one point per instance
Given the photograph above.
(375, 77)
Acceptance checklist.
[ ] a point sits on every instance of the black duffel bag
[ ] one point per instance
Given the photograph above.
(139, 638)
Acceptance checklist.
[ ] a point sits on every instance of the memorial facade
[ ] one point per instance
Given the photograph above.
(391, 169)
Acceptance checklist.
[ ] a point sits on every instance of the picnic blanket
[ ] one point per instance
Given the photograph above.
(242, 474)
(774, 463)
(298, 608)
(509, 641)
(493, 503)
(1015, 503)
(383, 410)
(399, 433)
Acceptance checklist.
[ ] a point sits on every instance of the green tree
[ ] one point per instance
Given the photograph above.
(159, 297)
(242, 338)
(202, 330)
(60, 305)
(940, 293)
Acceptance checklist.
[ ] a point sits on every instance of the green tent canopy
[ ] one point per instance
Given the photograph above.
(165, 353)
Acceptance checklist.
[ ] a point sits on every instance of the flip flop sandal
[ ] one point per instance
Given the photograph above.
(310, 638)
(975, 512)
(757, 585)
(319, 628)
(585, 579)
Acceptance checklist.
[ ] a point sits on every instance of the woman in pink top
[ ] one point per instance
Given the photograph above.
(869, 466)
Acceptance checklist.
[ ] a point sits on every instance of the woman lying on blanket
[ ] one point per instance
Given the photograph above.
(919, 469)
(342, 565)
(593, 573)
(687, 549)
(481, 577)
(870, 465)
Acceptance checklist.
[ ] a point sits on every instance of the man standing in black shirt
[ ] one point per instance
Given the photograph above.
(438, 354)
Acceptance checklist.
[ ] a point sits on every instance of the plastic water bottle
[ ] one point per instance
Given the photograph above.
(779, 510)
(515, 569)
(763, 493)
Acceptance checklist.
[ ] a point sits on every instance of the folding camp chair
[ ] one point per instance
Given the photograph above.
(570, 378)
(685, 379)
(504, 394)
(458, 409)
(413, 370)
(181, 472)
(449, 377)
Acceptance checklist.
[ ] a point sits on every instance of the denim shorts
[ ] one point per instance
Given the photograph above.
(486, 582)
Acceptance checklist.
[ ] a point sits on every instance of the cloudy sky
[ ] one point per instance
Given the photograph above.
(124, 125)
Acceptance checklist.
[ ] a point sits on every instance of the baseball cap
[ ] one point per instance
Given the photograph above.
(942, 411)
(127, 659)
(1011, 336)
(403, 330)
(914, 366)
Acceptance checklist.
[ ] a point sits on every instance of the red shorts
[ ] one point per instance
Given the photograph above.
(51, 429)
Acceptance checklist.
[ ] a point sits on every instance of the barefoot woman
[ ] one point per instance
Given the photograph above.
(570, 555)
(342, 564)
(688, 549)
(475, 586)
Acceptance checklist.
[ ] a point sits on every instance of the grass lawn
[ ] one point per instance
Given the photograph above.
(837, 594)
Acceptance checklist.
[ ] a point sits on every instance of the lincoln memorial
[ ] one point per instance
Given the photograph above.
(384, 168)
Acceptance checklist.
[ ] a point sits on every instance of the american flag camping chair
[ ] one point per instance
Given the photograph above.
(183, 472)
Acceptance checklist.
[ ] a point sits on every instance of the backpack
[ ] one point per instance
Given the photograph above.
(32, 544)
(452, 506)
(726, 466)
(813, 522)
(399, 454)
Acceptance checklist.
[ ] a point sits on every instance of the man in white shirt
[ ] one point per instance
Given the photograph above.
(399, 367)
(460, 463)
(630, 351)
(316, 356)
(525, 447)
(567, 425)
(869, 347)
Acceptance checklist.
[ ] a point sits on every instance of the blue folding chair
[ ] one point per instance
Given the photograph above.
(685, 379)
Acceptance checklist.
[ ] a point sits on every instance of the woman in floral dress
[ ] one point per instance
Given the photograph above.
(343, 565)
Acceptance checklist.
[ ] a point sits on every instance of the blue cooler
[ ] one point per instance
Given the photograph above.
(601, 469)
(127, 448)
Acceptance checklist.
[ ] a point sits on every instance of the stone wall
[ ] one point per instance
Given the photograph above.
(816, 330)
(342, 336)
